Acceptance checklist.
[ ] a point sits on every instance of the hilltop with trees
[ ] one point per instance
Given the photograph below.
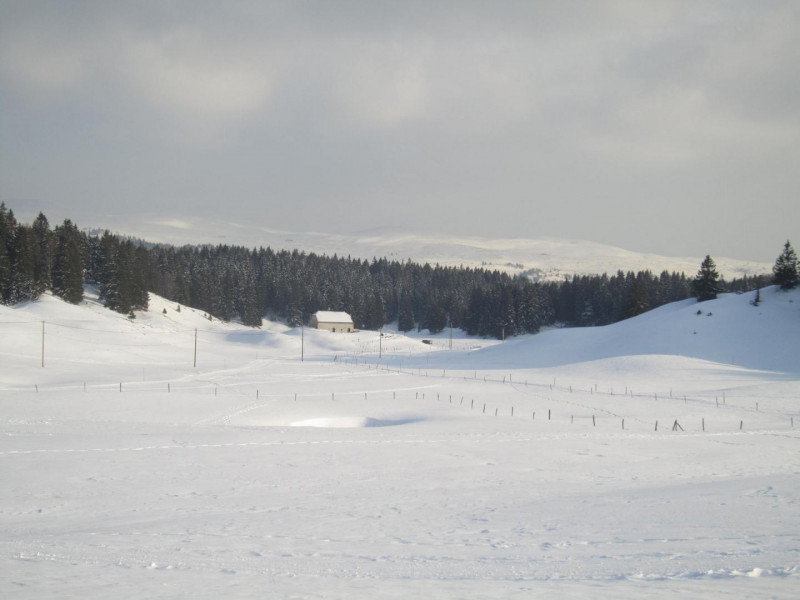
(236, 283)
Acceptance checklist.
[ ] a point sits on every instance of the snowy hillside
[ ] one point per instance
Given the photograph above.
(171, 456)
(727, 330)
(546, 259)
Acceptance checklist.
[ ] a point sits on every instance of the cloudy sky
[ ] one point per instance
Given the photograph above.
(670, 127)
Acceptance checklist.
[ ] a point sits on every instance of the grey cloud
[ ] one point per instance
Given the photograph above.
(622, 122)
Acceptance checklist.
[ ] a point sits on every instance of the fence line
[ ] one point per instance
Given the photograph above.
(566, 388)
(586, 418)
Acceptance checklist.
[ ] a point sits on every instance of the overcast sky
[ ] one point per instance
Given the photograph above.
(668, 127)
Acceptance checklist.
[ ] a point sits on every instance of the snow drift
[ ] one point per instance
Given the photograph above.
(728, 330)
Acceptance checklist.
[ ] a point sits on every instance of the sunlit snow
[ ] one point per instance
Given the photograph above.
(176, 456)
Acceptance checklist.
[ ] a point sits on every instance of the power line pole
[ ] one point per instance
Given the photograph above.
(449, 322)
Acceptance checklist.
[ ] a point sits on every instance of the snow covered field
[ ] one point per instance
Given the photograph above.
(653, 457)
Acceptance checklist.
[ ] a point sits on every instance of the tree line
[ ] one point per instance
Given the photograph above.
(237, 283)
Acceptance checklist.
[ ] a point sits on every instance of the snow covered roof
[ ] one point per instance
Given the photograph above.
(330, 316)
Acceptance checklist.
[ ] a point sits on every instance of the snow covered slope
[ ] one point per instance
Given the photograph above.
(171, 456)
(727, 330)
(546, 259)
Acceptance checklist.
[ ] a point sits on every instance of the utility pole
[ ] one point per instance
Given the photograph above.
(451, 331)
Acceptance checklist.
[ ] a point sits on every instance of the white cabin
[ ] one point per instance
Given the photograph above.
(335, 322)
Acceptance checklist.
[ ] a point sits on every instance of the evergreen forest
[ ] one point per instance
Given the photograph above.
(237, 283)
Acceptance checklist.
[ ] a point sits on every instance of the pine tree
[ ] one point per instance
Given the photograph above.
(785, 271)
(476, 309)
(705, 285)
(436, 318)
(7, 226)
(505, 316)
(374, 312)
(68, 263)
(294, 305)
(43, 254)
(636, 299)
(247, 302)
(22, 266)
(405, 318)
(757, 300)
(141, 284)
(104, 268)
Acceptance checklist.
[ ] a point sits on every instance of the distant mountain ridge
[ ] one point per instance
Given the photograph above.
(545, 259)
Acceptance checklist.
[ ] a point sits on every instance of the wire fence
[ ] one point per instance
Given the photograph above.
(527, 394)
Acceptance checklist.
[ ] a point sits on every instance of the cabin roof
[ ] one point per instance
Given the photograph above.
(330, 316)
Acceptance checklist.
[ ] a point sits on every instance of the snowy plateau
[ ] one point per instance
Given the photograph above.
(544, 259)
(170, 456)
